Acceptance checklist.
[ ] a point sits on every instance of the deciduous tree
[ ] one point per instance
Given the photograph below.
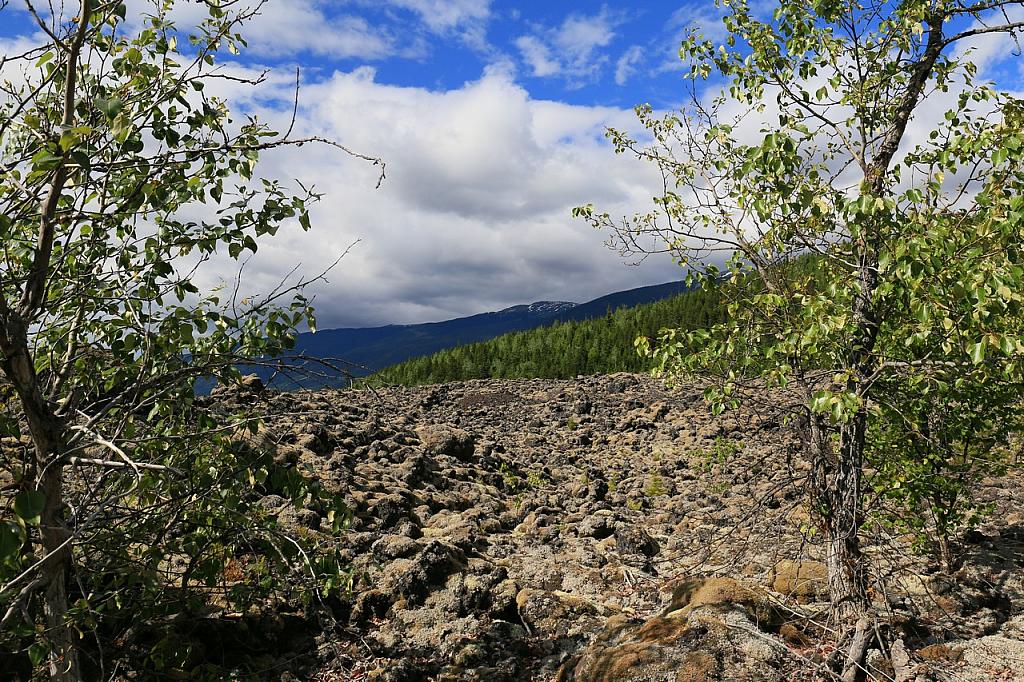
(827, 136)
(121, 173)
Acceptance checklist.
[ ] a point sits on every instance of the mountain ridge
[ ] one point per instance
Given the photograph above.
(364, 350)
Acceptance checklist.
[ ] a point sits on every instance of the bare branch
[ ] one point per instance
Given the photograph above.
(110, 464)
(984, 30)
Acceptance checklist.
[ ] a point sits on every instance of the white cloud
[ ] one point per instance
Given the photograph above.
(537, 56)
(302, 26)
(467, 19)
(332, 29)
(445, 15)
(705, 20)
(627, 64)
(993, 50)
(299, 27)
(476, 212)
(580, 35)
(572, 50)
(15, 67)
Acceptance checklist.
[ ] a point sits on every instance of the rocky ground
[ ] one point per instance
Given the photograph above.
(606, 528)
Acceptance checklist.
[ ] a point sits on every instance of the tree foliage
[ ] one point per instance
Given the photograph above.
(121, 174)
(803, 144)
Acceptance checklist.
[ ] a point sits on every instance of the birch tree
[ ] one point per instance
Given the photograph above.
(110, 138)
(857, 132)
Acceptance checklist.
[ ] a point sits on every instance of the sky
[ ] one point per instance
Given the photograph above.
(490, 116)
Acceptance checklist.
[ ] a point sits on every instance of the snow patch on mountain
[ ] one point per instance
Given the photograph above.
(550, 307)
(541, 308)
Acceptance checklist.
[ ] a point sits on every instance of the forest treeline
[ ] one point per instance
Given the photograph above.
(563, 350)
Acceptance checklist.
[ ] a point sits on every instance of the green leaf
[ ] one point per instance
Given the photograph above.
(121, 128)
(1008, 345)
(28, 505)
(978, 352)
(11, 540)
(108, 107)
(44, 160)
(37, 652)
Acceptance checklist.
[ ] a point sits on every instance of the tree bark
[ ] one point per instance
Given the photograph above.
(47, 432)
(847, 577)
(835, 495)
(863, 635)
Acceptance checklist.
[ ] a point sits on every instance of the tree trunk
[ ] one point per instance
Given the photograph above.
(835, 493)
(835, 496)
(47, 432)
(847, 579)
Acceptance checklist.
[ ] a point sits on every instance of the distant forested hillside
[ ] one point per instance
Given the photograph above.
(599, 345)
(562, 349)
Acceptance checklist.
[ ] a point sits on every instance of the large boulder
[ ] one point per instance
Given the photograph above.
(804, 580)
(412, 579)
(714, 629)
(677, 649)
(556, 614)
(721, 595)
(633, 539)
(447, 440)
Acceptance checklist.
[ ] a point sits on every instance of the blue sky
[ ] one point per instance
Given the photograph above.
(610, 53)
(616, 54)
(490, 115)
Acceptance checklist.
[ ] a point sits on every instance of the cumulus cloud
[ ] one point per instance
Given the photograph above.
(467, 19)
(295, 28)
(572, 50)
(443, 15)
(627, 64)
(14, 50)
(302, 26)
(338, 30)
(703, 20)
(994, 51)
(537, 56)
(352, 29)
(476, 212)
